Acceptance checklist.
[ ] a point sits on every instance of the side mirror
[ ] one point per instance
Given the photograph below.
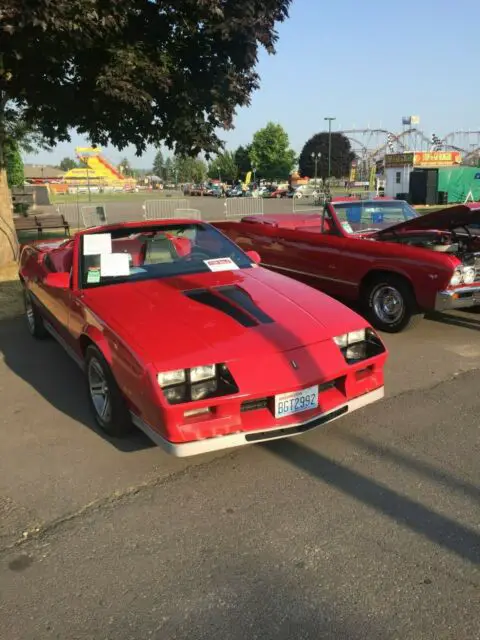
(254, 256)
(57, 280)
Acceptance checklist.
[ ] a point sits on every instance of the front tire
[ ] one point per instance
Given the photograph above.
(106, 399)
(35, 324)
(390, 304)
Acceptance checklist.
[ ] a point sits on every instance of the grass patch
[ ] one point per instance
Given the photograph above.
(25, 237)
(11, 300)
(105, 198)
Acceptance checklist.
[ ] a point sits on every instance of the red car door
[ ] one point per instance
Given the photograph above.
(312, 257)
(54, 300)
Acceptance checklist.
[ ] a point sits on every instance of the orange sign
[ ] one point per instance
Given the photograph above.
(436, 158)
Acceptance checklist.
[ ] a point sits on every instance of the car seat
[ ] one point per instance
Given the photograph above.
(158, 250)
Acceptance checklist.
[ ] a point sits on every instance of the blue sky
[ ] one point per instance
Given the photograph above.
(366, 63)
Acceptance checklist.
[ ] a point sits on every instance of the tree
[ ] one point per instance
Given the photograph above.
(223, 167)
(341, 156)
(158, 165)
(66, 164)
(128, 72)
(125, 168)
(189, 169)
(270, 153)
(14, 166)
(169, 169)
(242, 160)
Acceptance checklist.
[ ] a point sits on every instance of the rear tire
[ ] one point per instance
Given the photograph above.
(106, 400)
(35, 324)
(390, 305)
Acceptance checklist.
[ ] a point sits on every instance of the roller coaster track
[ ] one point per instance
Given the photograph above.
(399, 140)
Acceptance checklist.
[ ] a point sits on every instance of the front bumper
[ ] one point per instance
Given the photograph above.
(217, 443)
(460, 298)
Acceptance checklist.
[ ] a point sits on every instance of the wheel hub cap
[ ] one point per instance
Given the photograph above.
(388, 304)
(99, 391)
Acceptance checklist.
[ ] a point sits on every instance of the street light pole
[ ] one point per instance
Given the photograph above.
(329, 145)
(316, 157)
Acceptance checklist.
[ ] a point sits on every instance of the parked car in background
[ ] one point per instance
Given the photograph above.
(234, 192)
(214, 190)
(279, 193)
(266, 192)
(180, 333)
(380, 253)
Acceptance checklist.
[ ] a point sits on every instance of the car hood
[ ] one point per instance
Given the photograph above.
(443, 220)
(218, 317)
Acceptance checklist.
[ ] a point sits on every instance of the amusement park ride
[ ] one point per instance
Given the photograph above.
(371, 145)
(97, 171)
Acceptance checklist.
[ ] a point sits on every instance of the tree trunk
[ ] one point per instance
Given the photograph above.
(8, 235)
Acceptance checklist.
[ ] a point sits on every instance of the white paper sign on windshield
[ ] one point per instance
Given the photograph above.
(114, 265)
(221, 264)
(97, 243)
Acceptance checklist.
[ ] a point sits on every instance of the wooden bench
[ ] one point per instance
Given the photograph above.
(52, 222)
(40, 223)
(26, 224)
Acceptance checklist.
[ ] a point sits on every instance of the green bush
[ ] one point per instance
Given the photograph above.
(21, 208)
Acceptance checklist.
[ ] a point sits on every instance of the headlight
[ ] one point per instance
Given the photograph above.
(190, 385)
(359, 345)
(204, 372)
(468, 275)
(457, 277)
(177, 394)
(346, 339)
(168, 378)
(204, 389)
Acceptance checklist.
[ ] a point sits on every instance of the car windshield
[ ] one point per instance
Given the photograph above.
(372, 215)
(156, 251)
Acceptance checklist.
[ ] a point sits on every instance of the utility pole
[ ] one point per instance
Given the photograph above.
(330, 119)
(316, 157)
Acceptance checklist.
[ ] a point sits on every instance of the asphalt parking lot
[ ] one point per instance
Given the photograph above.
(369, 528)
(211, 208)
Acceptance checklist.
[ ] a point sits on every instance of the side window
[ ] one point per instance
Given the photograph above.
(398, 177)
(47, 261)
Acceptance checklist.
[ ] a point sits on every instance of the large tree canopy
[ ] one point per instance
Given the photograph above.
(224, 167)
(242, 160)
(131, 71)
(341, 156)
(270, 153)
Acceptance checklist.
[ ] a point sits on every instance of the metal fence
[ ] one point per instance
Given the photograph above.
(165, 208)
(235, 207)
(308, 203)
(188, 213)
(94, 215)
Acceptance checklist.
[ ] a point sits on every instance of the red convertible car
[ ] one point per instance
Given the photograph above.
(396, 263)
(182, 334)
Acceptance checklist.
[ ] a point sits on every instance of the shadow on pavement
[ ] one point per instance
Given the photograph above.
(433, 526)
(45, 366)
(463, 321)
(420, 467)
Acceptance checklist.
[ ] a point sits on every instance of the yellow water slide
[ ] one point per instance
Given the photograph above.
(102, 169)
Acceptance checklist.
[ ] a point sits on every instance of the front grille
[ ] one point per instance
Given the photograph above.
(477, 267)
(253, 405)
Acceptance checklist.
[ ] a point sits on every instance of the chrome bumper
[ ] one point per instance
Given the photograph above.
(457, 298)
(184, 449)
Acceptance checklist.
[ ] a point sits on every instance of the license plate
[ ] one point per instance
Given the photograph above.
(287, 404)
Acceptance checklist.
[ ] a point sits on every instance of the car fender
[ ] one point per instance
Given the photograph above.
(423, 284)
(95, 336)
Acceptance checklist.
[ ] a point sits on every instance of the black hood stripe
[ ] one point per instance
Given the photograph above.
(242, 299)
(221, 304)
(232, 301)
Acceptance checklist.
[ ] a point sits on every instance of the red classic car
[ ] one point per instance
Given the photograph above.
(379, 252)
(180, 332)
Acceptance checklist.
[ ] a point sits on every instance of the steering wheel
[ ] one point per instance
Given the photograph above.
(200, 255)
